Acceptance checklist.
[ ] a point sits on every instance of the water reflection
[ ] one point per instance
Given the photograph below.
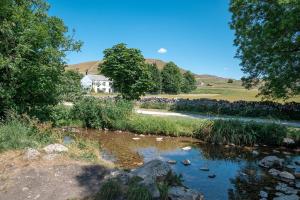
(237, 173)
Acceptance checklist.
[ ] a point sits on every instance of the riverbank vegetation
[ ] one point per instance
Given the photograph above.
(118, 115)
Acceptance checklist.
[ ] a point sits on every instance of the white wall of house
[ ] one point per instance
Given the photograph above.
(102, 86)
(97, 83)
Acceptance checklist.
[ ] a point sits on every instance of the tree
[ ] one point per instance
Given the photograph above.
(71, 89)
(267, 34)
(230, 80)
(171, 78)
(155, 79)
(126, 67)
(189, 82)
(32, 50)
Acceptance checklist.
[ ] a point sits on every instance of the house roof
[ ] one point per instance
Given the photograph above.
(98, 77)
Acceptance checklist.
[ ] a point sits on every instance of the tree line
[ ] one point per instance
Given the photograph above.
(133, 77)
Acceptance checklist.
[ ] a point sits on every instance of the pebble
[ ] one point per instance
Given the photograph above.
(263, 194)
(204, 169)
(173, 162)
(211, 176)
(187, 148)
(186, 162)
(159, 139)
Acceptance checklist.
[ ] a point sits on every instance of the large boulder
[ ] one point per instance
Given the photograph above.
(150, 172)
(271, 161)
(55, 148)
(153, 169)
(182, 193)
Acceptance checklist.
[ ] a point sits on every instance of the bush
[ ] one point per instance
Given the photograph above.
(61, 115)
(110, 190)
(241, 133)
(20, 133)
(96, 113)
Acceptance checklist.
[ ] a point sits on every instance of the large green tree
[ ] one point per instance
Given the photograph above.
(189, 82)
(32, 50)
(155, 78)
(127, 68)
(71, 89)
(171, 78)
(267, 34)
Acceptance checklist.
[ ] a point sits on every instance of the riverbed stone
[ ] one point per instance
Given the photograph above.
(286, 175)
(287, 197)
(274, 172)
(284, 188)
(173, 162)
(186, 162)
(297, 173)
(297, 162)
(55, 148)
(288, 141)
(263, 194)
(182, 193)
(31, 154)
(271, 161)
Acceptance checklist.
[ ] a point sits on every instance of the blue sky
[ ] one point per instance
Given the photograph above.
(194, 33)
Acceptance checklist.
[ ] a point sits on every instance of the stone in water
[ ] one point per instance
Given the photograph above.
(187, 148)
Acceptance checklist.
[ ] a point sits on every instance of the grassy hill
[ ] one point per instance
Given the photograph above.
(203, 80)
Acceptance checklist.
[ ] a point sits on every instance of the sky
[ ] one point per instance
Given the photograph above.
(194, 34)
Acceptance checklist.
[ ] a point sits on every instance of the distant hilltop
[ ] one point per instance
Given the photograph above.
(203, 79)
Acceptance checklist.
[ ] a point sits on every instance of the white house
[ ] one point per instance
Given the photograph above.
(97, 83)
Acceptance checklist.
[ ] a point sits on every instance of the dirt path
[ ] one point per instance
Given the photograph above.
(213, 117)
(58, 179)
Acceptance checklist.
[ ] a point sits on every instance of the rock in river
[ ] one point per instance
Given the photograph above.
(187, 148)
(186, 162)
(286, 175)
(150, 172)
(287, 197)
(173, 162)
(271, 161)
(181, 193)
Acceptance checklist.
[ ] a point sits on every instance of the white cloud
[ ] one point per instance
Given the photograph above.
(162, 51)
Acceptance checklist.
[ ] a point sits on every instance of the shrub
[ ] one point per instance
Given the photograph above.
(173, 179)
(96, 113)
(137, 192)
(20, 133)
(61, 115)
(241, 133)
(110, 190)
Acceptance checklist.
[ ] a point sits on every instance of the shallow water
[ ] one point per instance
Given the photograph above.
(237, 173)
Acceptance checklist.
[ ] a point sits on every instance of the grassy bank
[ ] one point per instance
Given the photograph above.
(118, 115)
(19, 133)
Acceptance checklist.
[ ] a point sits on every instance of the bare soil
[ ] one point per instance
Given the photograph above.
(59, 179)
